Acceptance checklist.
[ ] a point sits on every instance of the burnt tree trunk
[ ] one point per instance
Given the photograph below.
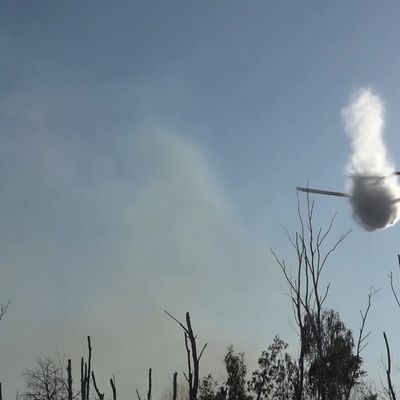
(69, 379)
(85, 372)
(193, 359)
(113, 387)
(101, 395)
(89, 367)
(149, 388)
(175, 387)
(83, 385)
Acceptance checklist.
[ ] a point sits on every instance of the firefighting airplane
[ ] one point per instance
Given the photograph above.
(343, 194)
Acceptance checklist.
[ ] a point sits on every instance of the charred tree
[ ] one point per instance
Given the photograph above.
(193, 356)
(69, 379)
(113, 388)
(175, 387)
(149, 388)
(99, 394)
(85, 372)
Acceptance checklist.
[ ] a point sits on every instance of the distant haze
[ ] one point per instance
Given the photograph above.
(372, 181)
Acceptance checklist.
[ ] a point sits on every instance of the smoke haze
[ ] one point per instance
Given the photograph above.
(372, 183)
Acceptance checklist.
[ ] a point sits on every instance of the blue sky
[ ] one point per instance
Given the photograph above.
(149, 157)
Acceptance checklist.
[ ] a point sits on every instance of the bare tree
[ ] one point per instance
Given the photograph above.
(148, 389)
(361, 341)
(193, 360)
(46, 381)
(85, 372)
(308, 295)
(390, 388)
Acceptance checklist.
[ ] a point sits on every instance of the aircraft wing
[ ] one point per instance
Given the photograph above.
(325, 192)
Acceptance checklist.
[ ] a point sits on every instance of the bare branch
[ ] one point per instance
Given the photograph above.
(101, 395)
(202, 350)
(4, 308)
(388, 370)
(362, 339)
(149, 387)
(180, 323)
(392, 284)
(113, 387)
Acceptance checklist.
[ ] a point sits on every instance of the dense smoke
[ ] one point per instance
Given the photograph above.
(372, 183)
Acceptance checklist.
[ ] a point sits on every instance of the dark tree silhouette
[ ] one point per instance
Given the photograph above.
(175, 386)
(69, 379)
(113, 387)
(193, 358)
(275, 377)
(236, 370)
(149, 388)
(46, 381)
(208, 388)
(308, 296)
(390, 389)
(340, 365)
(96, 388)
(86, 372)
(4, 308)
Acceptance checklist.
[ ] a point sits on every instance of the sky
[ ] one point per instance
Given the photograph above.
(149, 154)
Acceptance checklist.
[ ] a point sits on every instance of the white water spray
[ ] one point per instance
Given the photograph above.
(375, 193)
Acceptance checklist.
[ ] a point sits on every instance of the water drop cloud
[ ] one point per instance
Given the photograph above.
(374, 189)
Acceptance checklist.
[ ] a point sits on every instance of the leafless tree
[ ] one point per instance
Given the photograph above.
(149, 388)
(361, 341)
(193, 359)
(308, 295)
(46, 381)
(86, 372)
(390, 388)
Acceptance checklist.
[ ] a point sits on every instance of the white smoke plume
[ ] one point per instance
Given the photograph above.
(375, 193)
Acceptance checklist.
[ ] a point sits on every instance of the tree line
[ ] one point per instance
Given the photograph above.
(326, 366)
